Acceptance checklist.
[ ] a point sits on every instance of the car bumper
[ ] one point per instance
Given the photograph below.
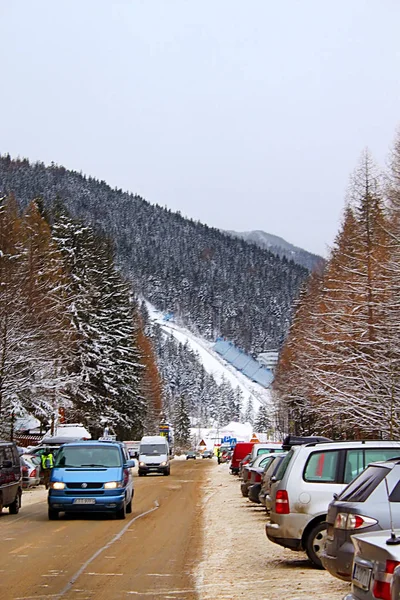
(254, 491)
(339, 566)
(274, 534)
(145, 470)
(103, 503)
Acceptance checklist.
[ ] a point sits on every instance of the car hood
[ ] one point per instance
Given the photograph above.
(86, 475)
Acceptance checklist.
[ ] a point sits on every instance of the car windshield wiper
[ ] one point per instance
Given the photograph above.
(94, 465)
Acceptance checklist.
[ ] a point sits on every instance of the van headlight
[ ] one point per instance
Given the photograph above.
(57, 485)
(163, 464)
(112, 485)
(142, 464)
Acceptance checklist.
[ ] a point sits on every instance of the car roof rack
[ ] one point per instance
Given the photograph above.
(299, 440)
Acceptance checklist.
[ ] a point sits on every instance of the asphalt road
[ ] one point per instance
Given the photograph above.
(149, 555)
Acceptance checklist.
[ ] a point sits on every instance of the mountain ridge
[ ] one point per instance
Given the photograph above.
(281, 247)
(217, 284)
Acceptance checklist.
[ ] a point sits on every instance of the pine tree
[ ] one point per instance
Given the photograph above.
(182, 424)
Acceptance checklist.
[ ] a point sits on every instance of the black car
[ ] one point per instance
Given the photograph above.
(10, 477)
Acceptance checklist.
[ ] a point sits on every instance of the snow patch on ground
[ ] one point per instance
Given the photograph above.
(238, 559)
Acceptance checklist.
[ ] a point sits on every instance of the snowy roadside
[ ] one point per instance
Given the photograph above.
(240, 562)
(33, 496)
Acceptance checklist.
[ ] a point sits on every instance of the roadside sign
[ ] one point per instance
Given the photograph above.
(202, 443)
(255, 439)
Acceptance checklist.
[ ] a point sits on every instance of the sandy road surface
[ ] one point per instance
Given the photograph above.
(204, 542)
(149, 555)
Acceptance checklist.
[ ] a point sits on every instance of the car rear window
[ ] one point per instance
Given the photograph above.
(268, 450)
(360, 489)
(284, 465)
(88, 456)
(322, 466)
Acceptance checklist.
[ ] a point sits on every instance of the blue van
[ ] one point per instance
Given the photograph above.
(91, 476)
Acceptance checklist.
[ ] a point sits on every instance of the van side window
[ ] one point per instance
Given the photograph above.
(322, 466)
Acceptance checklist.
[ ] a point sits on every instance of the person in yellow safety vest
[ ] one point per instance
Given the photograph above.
(47, 465)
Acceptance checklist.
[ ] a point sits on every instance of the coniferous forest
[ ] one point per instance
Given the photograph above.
(339, 370)
(216, 284)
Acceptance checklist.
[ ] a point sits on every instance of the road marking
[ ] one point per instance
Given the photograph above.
(106, 574)
(18, 550)
(100, 550)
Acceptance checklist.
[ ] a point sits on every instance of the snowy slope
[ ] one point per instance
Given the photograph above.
(213, 363)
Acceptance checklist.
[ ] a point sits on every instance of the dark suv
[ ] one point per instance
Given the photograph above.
(362, 507)
(10, 477)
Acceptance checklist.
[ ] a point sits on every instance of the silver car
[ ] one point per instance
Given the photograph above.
(305, 483)
(362, 507)
(375, 572)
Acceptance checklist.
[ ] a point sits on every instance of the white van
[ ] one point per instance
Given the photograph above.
(154, 455)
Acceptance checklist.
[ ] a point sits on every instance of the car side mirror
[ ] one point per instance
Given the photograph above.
(130, 464)
(273, 479)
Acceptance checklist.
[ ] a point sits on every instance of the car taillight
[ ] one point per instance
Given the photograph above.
(383, 579)
(126, 477)
(33, 473)
(24, 469)
(282, 502)
(350, 521)
(257, 477)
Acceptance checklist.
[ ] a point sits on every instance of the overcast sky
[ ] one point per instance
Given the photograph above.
(241, 114)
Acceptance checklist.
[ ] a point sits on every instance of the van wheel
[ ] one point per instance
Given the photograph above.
(167, 472)
(121, 513)
(15, 506)
(315, 543)
(53, 515)
(129, 506)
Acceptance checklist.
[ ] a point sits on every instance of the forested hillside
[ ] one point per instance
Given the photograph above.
(74, 341)
(218, 285)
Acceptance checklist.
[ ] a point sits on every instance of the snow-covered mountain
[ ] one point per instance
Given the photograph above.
(281, 247)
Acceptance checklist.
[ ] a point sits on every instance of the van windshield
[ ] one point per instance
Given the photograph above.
(88, 456)
(155, 449)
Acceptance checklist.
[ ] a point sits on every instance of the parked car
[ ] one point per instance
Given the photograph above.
(10, 477)
(243, 463)
(191, 454)
(306, 480)
(30, 468)
(65, 433)
(363, 506)
(267, 479)
(91, 476)
(267, 448)
(207, 454)
(376, 566)
(252, 472)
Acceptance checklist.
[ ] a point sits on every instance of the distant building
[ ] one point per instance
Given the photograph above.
(246, 364)
(269, 359)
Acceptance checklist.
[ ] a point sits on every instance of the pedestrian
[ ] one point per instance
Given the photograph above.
(47, 465)
(219, 455)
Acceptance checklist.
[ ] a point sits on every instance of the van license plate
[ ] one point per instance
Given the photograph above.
(362, 576)
(84, 501)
